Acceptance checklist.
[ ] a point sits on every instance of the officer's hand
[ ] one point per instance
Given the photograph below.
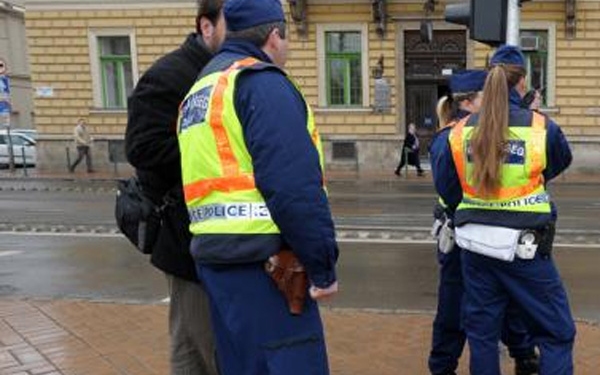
(319, 294)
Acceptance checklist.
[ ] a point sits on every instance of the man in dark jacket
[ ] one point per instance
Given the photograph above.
(151, 146)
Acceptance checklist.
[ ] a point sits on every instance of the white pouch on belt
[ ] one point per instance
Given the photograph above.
(446, 238)
(491, 241)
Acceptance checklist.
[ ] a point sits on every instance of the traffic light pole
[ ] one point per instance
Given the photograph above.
(513, 23)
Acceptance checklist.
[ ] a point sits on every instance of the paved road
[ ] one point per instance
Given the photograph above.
(58, 239)
(383, 209)
(373, 276)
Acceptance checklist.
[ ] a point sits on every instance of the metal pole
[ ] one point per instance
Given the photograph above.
(11, 155)
(68, 157)
(513, 23)
(24, 161)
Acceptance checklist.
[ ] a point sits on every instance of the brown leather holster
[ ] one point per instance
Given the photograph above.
(290, 277)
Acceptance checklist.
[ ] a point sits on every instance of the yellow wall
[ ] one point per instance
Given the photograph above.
(59, 49)
(58, 45)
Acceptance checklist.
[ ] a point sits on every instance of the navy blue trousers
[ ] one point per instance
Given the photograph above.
(254, 332)
(535, 286)
(448, 339)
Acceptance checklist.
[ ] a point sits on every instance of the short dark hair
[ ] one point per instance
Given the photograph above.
(258, 35)
(210, 9)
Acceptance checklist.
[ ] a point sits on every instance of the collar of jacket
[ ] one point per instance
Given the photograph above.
(244, 48)
(515, 99)
(194, 46)
(461, 114)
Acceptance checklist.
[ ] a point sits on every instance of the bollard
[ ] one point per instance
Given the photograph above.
(24, 161)
(68, 158)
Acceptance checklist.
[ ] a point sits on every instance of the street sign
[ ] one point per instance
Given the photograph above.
(4, 86)
(4, 108)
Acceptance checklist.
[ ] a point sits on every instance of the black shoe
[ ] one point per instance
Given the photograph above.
(397, 172)
(527, 366)
(420, 173)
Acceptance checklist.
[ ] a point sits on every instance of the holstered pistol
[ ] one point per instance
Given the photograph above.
(290, 277)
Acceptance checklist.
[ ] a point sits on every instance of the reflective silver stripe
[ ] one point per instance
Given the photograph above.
(229, 211)
(531, 200)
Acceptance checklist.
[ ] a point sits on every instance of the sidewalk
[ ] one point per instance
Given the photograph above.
(73, 337)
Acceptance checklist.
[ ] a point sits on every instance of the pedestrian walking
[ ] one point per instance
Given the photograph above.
(493, 170)
(83, 141)
(151, 147)
(259, 212)
(448, 338)
(410, 151)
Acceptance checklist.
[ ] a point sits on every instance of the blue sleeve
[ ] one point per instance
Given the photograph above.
(287, 169)
(445, 178)
(558, 152)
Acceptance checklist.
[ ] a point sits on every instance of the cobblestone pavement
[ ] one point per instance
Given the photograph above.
(74, 337)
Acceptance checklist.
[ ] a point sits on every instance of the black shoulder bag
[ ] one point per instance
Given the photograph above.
(138, 218)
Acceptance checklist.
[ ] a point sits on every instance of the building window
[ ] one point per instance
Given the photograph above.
(116, 71)
(343, 70)
(114, 67)
(343, 64)
(535, 48)
(538, 42)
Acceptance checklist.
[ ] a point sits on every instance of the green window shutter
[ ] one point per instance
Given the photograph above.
(343, 59)
(115, 66)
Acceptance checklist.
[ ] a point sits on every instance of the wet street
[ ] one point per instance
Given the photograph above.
(59, 241)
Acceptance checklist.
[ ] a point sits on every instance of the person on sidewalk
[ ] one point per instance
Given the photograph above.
(252, 165)
(448, 338)
(493, 171)
(83, 141)
(410, 151)
(151, 147)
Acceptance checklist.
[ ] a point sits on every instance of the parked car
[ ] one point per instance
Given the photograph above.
(31, 133)
(20, 143)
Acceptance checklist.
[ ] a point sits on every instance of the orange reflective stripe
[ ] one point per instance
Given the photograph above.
(458, 154)
(538, 126)
(315, 136)
(229, 162)
(200, 189)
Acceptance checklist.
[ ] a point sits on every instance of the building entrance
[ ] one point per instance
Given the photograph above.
(427, 66)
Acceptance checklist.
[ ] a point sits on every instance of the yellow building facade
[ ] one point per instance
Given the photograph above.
(364, 84)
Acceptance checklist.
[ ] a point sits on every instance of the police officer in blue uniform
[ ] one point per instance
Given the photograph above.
(448, 336)
(493, 169)
(253, 181)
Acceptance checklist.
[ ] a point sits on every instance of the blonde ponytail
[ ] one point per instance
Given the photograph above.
(488, 144)
(444, 112)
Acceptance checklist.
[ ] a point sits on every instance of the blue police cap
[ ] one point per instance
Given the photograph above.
(467, 81)
(508, 55)
(244, 14)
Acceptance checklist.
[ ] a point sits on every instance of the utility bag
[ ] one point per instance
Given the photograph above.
(138, 218)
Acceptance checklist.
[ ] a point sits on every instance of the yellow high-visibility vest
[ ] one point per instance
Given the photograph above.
(217, 171)
(522, 187)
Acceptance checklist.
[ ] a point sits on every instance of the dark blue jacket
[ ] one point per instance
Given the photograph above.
(286, 170)
(447, 183)
(438, 143)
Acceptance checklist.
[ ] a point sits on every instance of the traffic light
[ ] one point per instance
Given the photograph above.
(485, 19)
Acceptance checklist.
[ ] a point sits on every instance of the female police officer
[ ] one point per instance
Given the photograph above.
(494, 170)
(448, 337)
